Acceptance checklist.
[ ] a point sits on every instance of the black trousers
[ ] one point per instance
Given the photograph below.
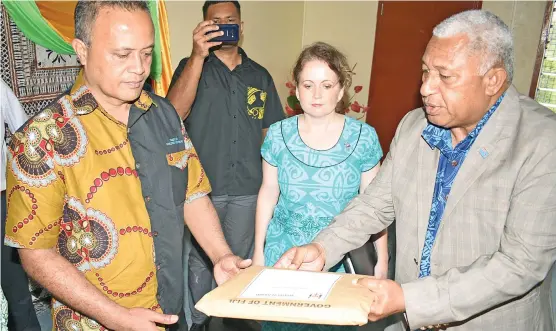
(15, 285)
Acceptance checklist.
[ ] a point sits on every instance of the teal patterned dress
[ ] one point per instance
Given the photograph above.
(315, 186)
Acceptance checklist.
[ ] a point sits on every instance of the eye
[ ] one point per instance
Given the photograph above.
(307, 86)
(122, 56)
(148, 54)
(328, 87)
(444, 77)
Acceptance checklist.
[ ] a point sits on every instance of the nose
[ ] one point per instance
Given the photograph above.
(137, 65)
(317, 93)
(429, 84)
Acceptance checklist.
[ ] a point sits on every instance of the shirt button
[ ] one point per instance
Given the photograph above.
(155, 234)
(233, 92)
(454, 163)
(147, 198)
(446, 197)
(158, 267)
(138, 166)
(234, 141)
(233, 165)
(128, 130)
(235, 116)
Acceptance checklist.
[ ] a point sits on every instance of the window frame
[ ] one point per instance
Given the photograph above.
(545, 32)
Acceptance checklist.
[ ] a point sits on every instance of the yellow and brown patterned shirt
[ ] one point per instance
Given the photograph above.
(74, 184)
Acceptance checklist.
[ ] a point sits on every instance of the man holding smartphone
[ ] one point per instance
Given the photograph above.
(227, 101)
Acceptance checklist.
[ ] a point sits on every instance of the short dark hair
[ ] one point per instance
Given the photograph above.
(210, 3)
(86, 12)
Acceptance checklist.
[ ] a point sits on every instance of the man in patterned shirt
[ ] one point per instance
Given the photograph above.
(101, 182)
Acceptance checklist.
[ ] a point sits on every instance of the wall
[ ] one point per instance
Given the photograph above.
(271, 36)
(275, 32)
(348, 25)
(525, 18)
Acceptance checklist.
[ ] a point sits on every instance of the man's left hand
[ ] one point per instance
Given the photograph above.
(228, 266)
(389, 298)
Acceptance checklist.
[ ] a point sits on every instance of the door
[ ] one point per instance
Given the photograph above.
(402, 32)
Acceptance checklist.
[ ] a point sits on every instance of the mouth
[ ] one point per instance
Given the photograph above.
(138, 84)
(432, 109)
(316, 105)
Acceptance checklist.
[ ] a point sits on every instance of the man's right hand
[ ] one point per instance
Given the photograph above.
(308, 257)
(141, 319)
(201, 43)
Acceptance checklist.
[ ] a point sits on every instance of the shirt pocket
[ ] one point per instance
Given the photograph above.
(256, 100)
(177, 162)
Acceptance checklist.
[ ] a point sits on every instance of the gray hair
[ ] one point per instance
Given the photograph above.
(488, 35)
(86, 12)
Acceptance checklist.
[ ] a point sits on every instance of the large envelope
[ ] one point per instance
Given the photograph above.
(282, 295)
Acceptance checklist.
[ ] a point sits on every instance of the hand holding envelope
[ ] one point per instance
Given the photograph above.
(389, 294)
(389, 298)
(228, 266)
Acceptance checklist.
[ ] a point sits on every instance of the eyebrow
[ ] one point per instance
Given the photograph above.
(132, 49)
(326, 80)
(436, 67)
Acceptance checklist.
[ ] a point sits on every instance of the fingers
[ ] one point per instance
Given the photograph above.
(202, 37)
(286, 259)
(370, 282)
(212, 35)
(231, 266)
(373, 318)
(203, 25)
(299, 257)
(207, 32)
(245, 263)
(161, 318)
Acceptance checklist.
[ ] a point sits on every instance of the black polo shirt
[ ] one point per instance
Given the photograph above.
(230, 111)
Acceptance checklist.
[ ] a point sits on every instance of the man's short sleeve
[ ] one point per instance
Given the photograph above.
(35, 190)
(177, 72)
(273, 107)
(198, 184)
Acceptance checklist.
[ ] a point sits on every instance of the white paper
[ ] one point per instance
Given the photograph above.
(290, 285)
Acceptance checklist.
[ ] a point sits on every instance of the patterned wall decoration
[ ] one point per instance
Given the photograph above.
(36, 75)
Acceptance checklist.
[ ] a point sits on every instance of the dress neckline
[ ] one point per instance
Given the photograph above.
(315, 149)
(341, 151)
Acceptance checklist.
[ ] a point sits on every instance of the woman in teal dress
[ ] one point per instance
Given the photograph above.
(314, 164)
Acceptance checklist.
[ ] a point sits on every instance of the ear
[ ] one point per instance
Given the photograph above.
(241, 28)
(297, 93)
(81, 50)
(494, 80)
(340, 95)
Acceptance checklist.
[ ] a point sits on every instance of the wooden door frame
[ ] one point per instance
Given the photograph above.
(543, 40)
(477, 5)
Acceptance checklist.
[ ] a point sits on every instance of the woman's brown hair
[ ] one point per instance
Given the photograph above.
(322, 51)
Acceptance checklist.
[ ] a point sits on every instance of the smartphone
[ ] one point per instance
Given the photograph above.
(231, 33)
